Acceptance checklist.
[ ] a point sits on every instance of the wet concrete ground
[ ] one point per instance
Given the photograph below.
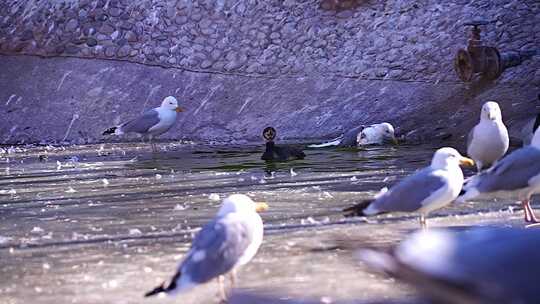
(105, 223)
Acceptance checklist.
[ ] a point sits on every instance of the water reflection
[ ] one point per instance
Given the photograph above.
(125, 177)
(85, 205)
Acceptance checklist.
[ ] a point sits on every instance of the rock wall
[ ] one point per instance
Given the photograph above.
(302, 60)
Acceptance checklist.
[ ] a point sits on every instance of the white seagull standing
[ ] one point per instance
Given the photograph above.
(230, 240)
(488, 140)
(376, 134)
(481, 265)
(516, 176)
(426, 190)
(151, 123)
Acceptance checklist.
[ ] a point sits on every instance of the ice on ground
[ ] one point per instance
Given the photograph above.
(10, 191)
(179, 207)
(135, 231)
(37, 230)
(293, 173)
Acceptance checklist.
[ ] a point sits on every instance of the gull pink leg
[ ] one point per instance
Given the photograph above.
(222, 293)
(530, 217)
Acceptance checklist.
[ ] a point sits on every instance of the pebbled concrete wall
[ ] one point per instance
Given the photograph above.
(310, 68)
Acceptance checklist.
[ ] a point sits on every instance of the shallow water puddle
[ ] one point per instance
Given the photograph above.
(104, 223)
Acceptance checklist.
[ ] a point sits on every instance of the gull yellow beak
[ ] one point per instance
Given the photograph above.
(178, 109)
(465, 161)
(260, 207)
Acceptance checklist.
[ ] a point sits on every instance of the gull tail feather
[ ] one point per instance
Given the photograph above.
(357, 209)
(162, 288)
(110, 131)
(332, 143)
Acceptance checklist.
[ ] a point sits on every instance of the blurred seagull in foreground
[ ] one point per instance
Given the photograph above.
(376, 134)
(151, 123)
(516, 176)
(488, 140)
(477, 266)
(424, 191)
(230, 240)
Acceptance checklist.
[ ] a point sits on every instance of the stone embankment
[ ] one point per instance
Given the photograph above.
(310, 68)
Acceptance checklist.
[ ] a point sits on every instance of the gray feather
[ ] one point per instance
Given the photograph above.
(408, 195)
(349, 138)
(223, 243)
(500, 272)
(142, 123)
(346, 140)
(513, 172)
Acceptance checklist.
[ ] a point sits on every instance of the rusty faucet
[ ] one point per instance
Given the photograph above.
(485, 60)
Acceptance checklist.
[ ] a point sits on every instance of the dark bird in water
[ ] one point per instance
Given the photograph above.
(279, 153)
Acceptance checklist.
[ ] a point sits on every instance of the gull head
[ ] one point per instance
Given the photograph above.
(387, 132)
(491, 111)
(377, 134)
(449, 157)
(170, 103)
(240, 203)
(269, 133)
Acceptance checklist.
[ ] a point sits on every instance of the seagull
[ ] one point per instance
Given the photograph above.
(151, 123)
(230, 240)
(426, 190)
(377, 135)
(279, 153)
(374, 134)
(515, 176)
(479, 265)
(488, 140)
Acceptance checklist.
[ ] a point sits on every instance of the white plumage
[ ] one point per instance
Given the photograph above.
(151, 123)
(229, 240)
(422, 192)
(488, 140)
(376, 134)
(516, 176)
